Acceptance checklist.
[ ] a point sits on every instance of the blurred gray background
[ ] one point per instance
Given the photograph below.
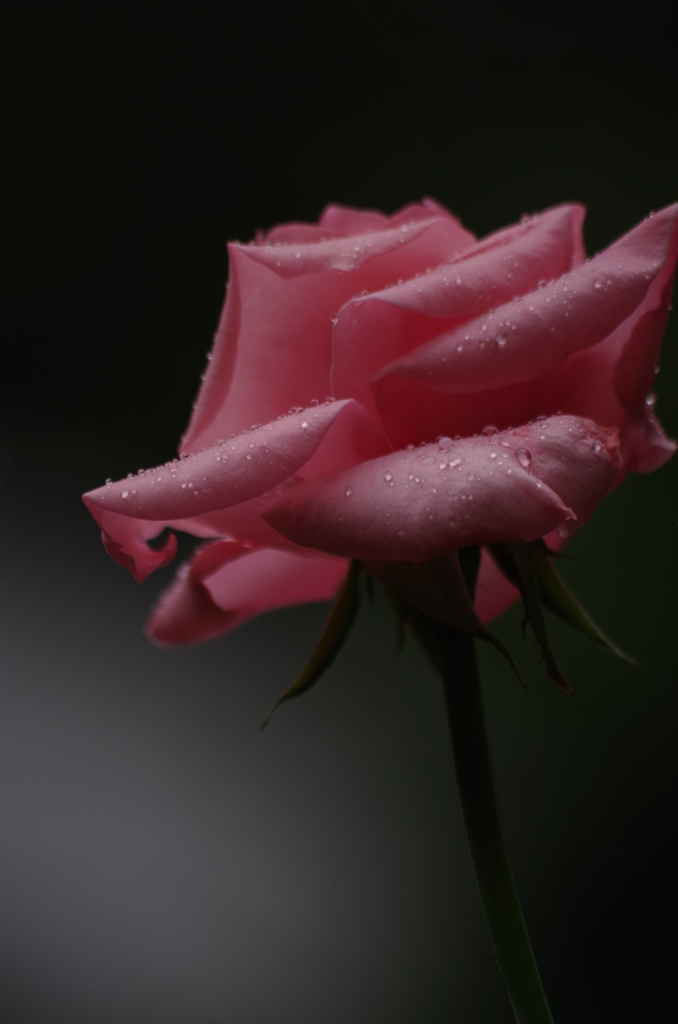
(160, 861)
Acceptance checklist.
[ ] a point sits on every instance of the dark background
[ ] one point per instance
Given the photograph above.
(159, 860)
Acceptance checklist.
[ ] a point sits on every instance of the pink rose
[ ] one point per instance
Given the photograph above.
(483, 391)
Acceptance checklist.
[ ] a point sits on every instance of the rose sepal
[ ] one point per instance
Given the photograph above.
(437, 589)
(530, 568)
(337, 628)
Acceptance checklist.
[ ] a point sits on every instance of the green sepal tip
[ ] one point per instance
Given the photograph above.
(553, 595)
(556, 597)
(337, 628)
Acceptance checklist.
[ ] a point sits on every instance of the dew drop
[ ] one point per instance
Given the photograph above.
(108, 481)
(524, 457)
(445, 443)
(388, 477)
(597, 284)
(651, 400)
(304, 424)
(489, 430)
(348, 492)
(125, 494)
(501, 339)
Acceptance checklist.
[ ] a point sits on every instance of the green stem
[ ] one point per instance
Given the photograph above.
(457, 660)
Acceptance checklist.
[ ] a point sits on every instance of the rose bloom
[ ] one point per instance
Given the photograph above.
(481, 392)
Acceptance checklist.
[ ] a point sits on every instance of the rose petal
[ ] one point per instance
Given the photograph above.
(523, 340)
(289, 234)
(636, 367)
(344, 220)
(225, 474)
(273, 348)
(494, 270)
(202, 604)
(125, 541)
(354, 439)
(378, 329)
(412, 412)
(299, 259)
(416, 505)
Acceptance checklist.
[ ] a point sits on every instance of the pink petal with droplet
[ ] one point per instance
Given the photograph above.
(225, 474)
(417, 505)
(387, 324)
(523, 340)
(273, 347)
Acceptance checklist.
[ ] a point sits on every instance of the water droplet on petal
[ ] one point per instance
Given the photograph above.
(524, 457)
(489, 430)
(388, 477)
(125, 494)
(651, 400)
(597, 284)
(445, 443)
(348, 492)
(304, 424)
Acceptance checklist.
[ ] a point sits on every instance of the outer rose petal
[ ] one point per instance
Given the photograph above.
(208, 600)
(611, 381)
(273, 347)
(376, 330)
(636, 367)
(231, 472)
(416, 505)
(354, 437)
(125, 541)
(523, 340)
